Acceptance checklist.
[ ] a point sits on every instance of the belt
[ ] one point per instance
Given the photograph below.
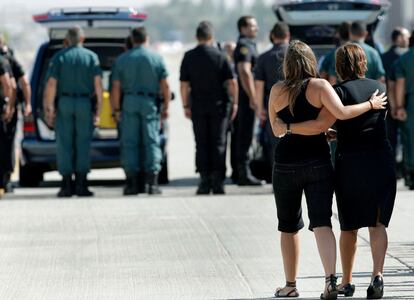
(147, 94)
(76, 95)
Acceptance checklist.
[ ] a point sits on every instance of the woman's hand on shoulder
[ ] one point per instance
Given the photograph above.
(378, 101)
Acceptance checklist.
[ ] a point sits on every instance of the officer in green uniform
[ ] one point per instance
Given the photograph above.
(404, 110)
(74, 77)
(358, 33)
(139, 75)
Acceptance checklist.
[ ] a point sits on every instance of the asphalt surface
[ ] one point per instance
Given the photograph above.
(174, 246)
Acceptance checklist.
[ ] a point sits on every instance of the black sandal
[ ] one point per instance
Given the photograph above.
(347, 290)
(376, 288)
(291, 294)
(331, 291)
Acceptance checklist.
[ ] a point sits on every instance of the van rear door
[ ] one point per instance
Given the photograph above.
(112, 22)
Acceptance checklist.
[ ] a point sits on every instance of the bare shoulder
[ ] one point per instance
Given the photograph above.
(278, 96)
(319, 83)
(317, 86)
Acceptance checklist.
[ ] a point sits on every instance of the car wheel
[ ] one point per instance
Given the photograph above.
(163, 175)
(30, 175)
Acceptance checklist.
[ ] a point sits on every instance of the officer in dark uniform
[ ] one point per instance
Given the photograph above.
(245, 56)
(74, 76)
(205, 73)
(267, 72)
(7, 107)
(139, 74)
(400, 38)
(404, 106)
(23, 93)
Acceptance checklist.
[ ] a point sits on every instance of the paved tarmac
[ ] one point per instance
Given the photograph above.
(175, 246)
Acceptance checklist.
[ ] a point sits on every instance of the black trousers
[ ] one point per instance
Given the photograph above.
(242, 133)
(210, 131)
(392, 132)
(7, 134)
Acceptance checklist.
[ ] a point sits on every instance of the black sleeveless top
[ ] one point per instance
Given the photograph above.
(367, 131)
(296, 148)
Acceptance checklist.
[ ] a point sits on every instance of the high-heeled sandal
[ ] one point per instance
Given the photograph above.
(347, 290)
(331, 291)
(376, 288)
(293, 293)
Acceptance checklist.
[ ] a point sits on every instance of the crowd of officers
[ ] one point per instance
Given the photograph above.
(222, 90)
(14, 89)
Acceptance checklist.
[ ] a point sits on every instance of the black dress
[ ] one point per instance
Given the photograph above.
(365, 181)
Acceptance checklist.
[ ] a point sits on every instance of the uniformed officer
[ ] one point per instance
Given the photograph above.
(400, 39)
(404, 107)
(358, 33)
(245, 57)
(140, 74)
(205, 73)
(23, 92)
(74, 77)
(6, 115)
(268, 71)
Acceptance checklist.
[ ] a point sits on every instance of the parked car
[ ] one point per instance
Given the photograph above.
(106, 30)
(314, 22)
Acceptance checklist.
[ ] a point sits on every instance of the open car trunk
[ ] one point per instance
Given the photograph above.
(315, 21)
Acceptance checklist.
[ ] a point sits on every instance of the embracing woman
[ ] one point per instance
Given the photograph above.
(302, 163)
(365, 181)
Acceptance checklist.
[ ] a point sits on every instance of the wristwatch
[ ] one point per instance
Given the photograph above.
(288, 130)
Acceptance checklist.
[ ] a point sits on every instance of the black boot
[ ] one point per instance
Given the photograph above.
(81, 185)
(131, 187)
(8, 185)
(141, 182)
(152, 180)
(217, 183)
(65, 187)
(204, 186)
(246, 178)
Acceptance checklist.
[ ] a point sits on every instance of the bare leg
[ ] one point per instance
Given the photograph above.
(289, 243)
(379, 244)
(325, 239)
(326, 242)
(348, 247)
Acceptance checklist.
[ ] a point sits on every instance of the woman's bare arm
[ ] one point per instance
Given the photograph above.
(330, 100)
(312, 127)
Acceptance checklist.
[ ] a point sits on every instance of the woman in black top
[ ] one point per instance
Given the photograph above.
(365, 181)
(302, 163)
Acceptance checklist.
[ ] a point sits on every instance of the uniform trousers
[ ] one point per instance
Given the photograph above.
(242, 134)
(210, 129)
(74, 127)
(407, 136)
(7, 153)
(140, 138)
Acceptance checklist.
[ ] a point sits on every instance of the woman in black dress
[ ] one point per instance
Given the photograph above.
(302, 163)
(365, 183)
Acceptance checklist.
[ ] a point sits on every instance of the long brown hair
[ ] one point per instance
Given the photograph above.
(299, 64)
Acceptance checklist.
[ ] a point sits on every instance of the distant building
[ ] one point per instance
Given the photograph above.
(399, 14)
